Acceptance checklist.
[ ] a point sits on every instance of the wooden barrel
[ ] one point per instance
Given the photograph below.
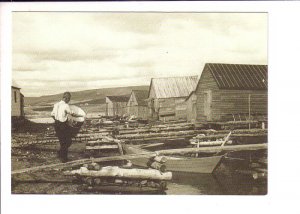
(75, 122)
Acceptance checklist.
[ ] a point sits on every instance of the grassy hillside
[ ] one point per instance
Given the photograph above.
(94, 96)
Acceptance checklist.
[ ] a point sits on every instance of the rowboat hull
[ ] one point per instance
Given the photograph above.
(205, 165)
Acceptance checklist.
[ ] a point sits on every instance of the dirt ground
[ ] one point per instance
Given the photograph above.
(43, 182)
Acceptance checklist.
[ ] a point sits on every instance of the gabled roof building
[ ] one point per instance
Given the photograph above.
(116, 105)
(17, 101)
(231, 92)
(167, 97)
(137, 104)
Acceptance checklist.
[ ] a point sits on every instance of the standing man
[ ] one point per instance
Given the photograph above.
(63, 132)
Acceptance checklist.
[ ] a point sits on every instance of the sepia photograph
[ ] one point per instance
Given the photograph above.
(139, 103)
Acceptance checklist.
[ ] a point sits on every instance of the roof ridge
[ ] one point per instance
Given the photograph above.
(234, 64)
(174, 77)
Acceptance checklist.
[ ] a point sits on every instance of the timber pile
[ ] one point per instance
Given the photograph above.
(157, 129)
(158, 162)
(117, 179)
(103, 145)
(229, 125)
(19, 143)
(198, 135)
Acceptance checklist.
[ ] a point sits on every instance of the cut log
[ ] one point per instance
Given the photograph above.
(114, 171)
(160, 159)
(101, 147)
(208, 143)
(145, 146)
(159, 166)
(94, 166)
(128, 165)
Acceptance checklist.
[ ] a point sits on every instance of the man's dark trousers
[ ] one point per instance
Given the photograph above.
(63, 133)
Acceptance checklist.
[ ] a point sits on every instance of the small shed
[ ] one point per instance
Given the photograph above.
(116, 105)
(137, 104)
(227, 92)
(167, 97)
(17, 101)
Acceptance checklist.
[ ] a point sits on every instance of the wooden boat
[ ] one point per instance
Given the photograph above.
(178, 164)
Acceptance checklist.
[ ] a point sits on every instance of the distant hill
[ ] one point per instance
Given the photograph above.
(94, 96)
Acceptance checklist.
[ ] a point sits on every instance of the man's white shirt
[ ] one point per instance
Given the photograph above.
(60, 111)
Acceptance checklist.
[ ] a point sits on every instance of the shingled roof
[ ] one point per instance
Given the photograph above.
(123, 98)
(173, 86)
(239, 76)
(140, 96)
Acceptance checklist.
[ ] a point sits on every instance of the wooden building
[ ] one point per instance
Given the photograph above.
(137, 104)
(116, 105)
(167, 97)
(17, 101)
(228, 92)
(191, 110)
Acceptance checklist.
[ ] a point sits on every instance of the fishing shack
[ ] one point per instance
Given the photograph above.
(116, 105)
(230, 92)
(17, 101)
(137, 104)
(167, 97)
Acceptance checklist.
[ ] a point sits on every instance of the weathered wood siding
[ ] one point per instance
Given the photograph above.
(169, 109)
(109, 107)
(115, 108)
(205, 84)
(132, 106)
(16, 103)
(134, 109)
(180, 108)
(120, 108)
(166, 108)
(191, 108)
(138, 111)
(224, 103)
(238, 102)
(143, 112)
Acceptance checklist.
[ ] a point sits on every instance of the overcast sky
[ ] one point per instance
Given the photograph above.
(54, 52)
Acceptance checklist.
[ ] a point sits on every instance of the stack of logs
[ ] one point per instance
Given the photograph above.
(201, 135)
(158, 162)
(120, 179)
(100, 144)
